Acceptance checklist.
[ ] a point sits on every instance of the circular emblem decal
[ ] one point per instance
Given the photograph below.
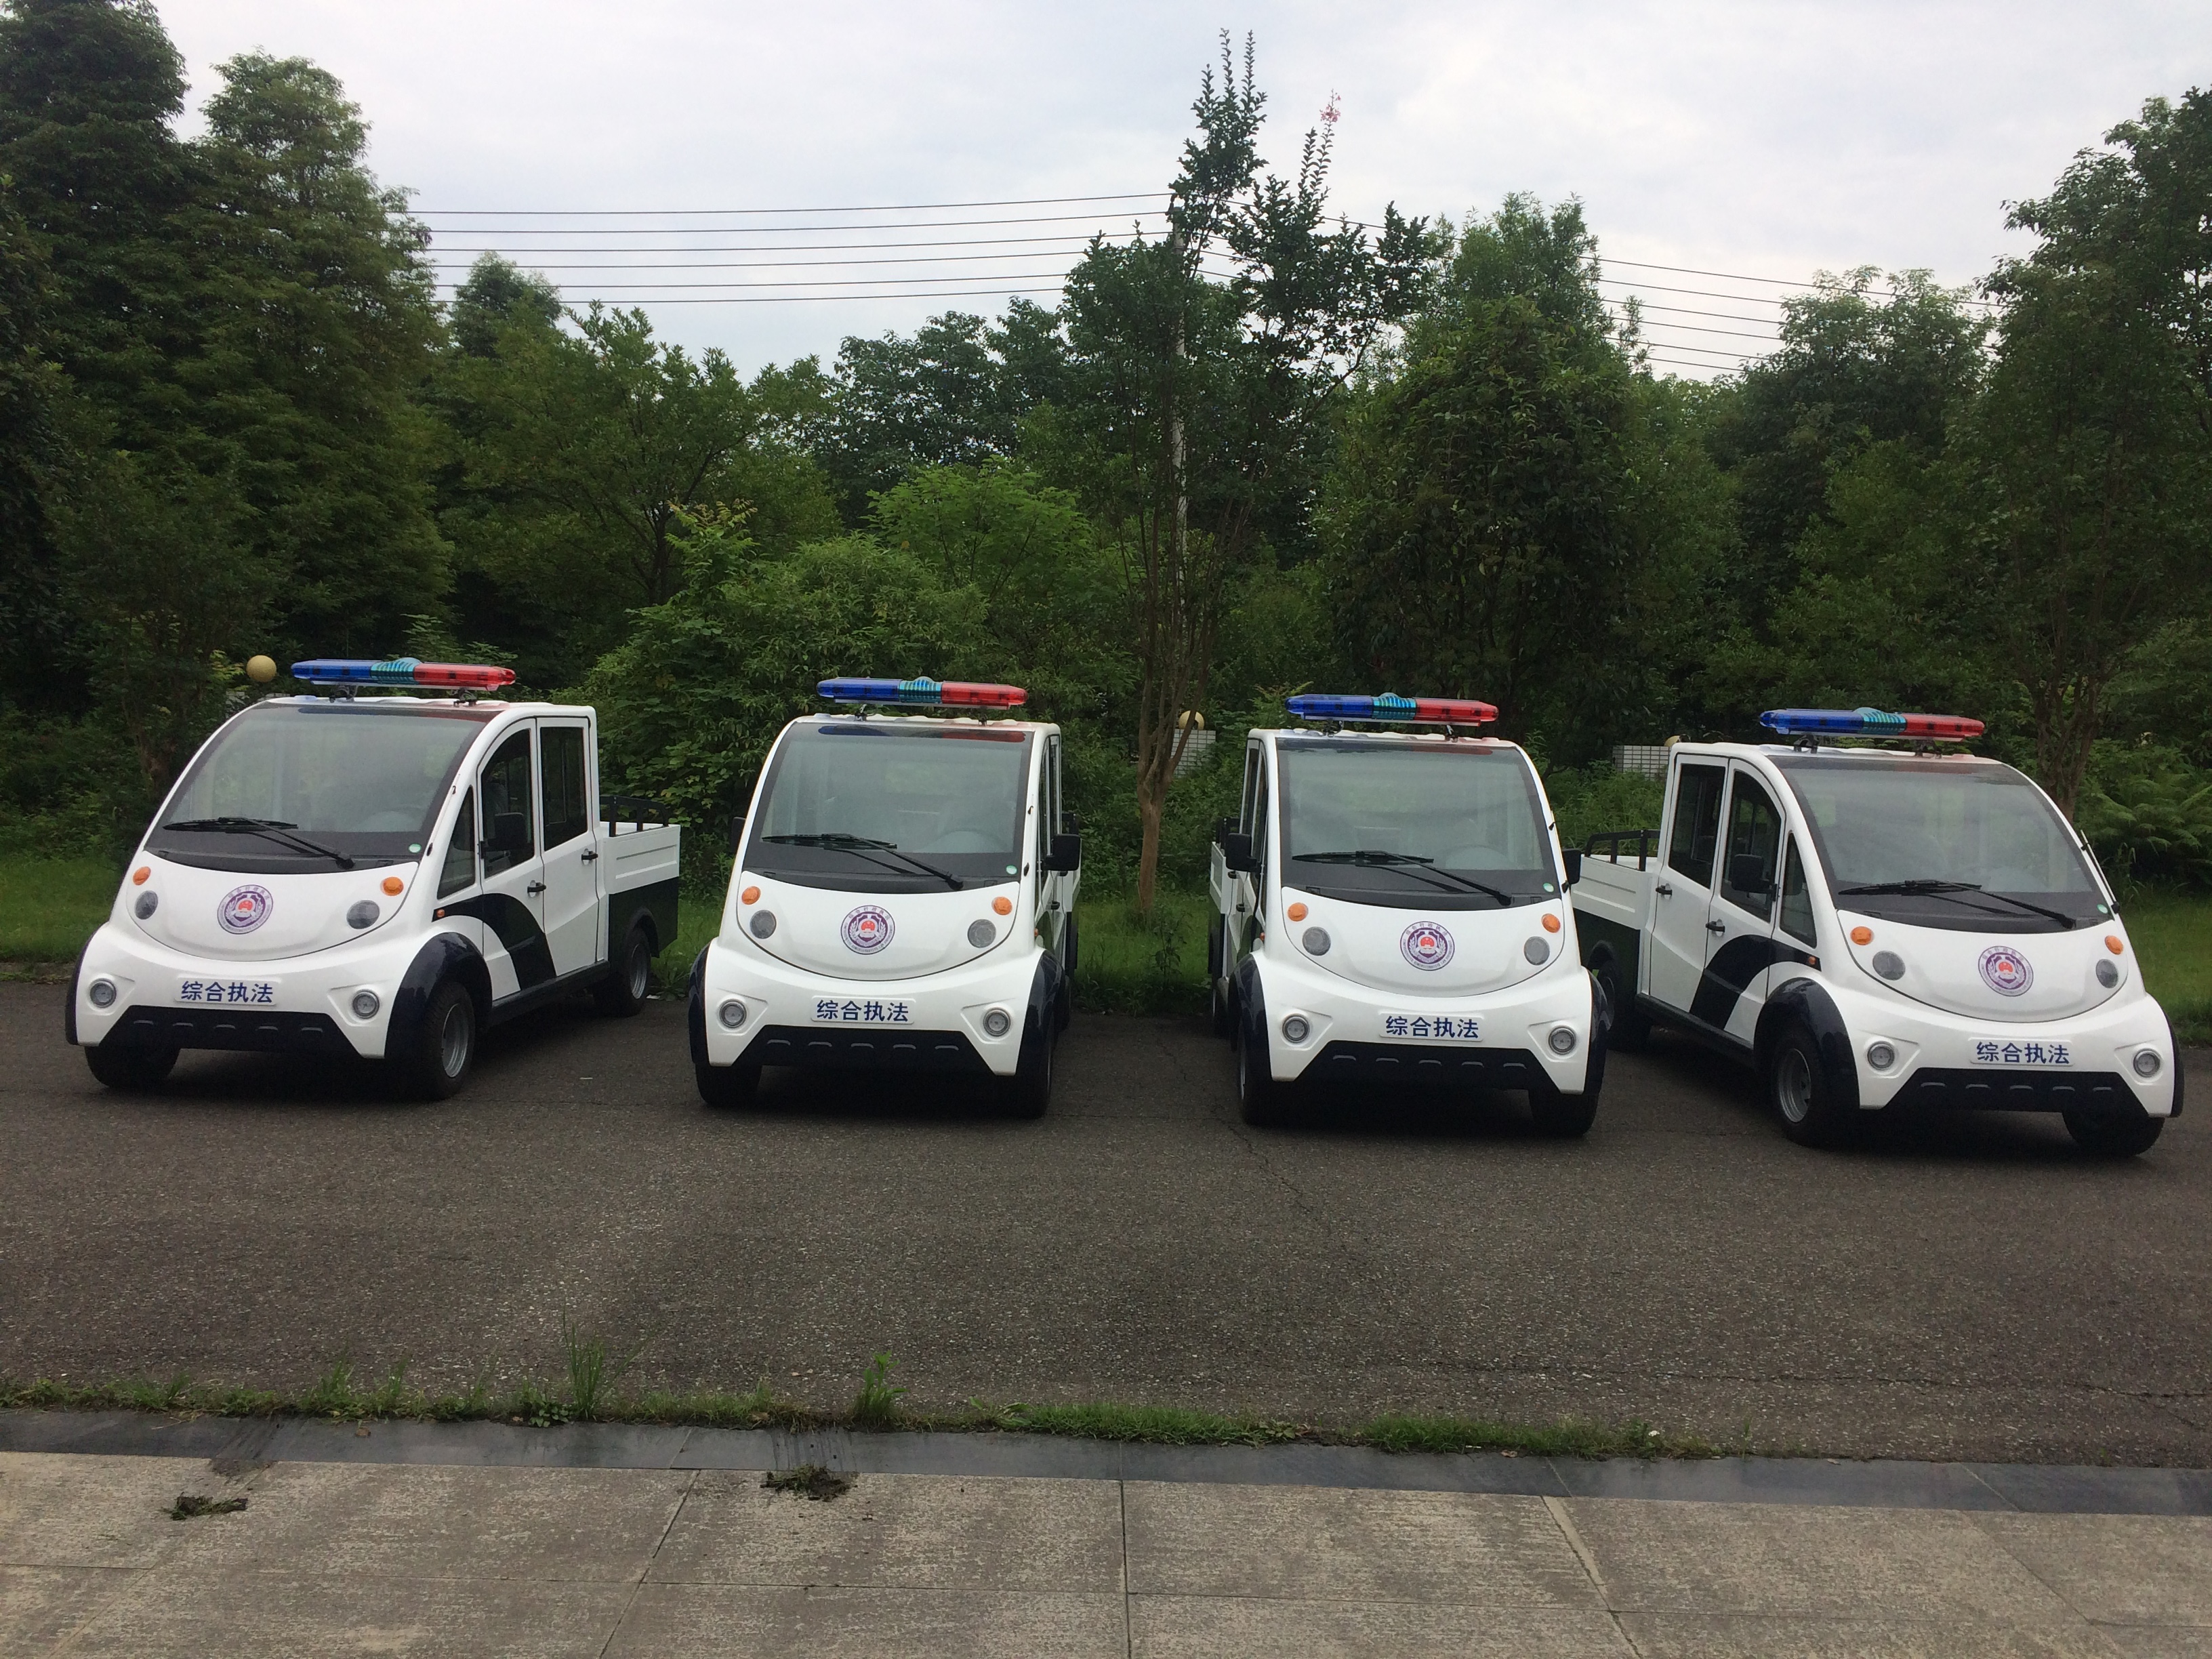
(243, 909)
(868, 930)
(2005, 971)
(1426, 944)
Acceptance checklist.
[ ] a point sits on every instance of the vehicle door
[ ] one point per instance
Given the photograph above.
(1054, 888)
(516, 951)
(1740, 919)
(1249, 889)
(1681, 890)
(569, 908)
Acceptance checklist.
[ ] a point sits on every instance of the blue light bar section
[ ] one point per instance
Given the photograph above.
(354, 671)
(1389, 706)
(1867, 723)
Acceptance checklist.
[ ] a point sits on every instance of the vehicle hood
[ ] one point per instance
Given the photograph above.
(1383, 946)
(869, 936)
(2013, 977)
(233, 916)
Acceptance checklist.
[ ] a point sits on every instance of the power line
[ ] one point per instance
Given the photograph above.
(764, 230)
(791, 247)
(1773, 282)
(1689, 311)
(788, 265)
(682, 213)
(811, 299)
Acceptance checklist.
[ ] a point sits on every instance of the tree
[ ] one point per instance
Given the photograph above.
(497, 292)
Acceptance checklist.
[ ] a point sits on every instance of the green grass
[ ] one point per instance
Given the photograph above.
(1126, 963)
(2172, 935)
(50, 906)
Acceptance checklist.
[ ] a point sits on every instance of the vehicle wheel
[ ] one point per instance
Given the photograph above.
(446, 1050)
(1063, 999)
(726, 1088)
(1260, 1100)
(630, 976)
(1797, 1089)
(2114, 1133)
(1029, 1091)
(1632, 1027)
(131, 1068)
(1561, 1116)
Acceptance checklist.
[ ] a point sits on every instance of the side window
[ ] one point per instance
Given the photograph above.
(506, 839)
(1796, 902)
(1252, 765)
(561, 753)
(1697, 827)
(459, 869)
(1057, 820)
(1259, 815)
(1753, 859)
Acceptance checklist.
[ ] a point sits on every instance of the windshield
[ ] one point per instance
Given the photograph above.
(317, 785)
(1967, 845)
(1438, 826)
(892, 806)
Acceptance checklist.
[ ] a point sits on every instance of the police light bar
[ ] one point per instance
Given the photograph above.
(401, 671)
(925, 693)
(1445, 711)
(1867, 723)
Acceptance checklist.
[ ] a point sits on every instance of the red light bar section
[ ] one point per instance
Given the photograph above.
(1454, 711)
(467, 676)
(1942, 725)
(972, 694)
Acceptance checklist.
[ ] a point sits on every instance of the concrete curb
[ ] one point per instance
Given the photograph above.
(2047, 1489)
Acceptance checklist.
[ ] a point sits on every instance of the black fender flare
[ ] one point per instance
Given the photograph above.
(695, 1008)
(77, 976)
(1039, 1020)
(1251, 1003)
(1805, 1001)
(442, 954)
(1600, 1035)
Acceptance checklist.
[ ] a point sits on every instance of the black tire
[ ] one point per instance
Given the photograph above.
(726, 1088)
(1632, 1026)
(2123, 1132)
(1260, 1100)
(1559, 1116)
(1798, 1090)
(630, 975)
(1028, 1093)
(131, 1068)
(1222, 1010)
(444, 1047)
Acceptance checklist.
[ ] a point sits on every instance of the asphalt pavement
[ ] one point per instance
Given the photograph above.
(1968, 1289)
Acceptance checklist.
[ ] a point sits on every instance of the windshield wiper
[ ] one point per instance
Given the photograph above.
(274, 829)
(864, 846)
(1933, 889)
(1371, 858)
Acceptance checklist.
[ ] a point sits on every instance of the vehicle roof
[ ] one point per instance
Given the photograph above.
(392, 703)
(918, 717)
(1468, 738)
(1896, 750)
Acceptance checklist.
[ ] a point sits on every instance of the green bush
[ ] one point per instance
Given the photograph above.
(2148, 814)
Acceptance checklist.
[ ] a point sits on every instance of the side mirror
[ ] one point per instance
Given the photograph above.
(510, 833)
(1572, 872)
(1065, 854)
(1747, 873)
(1237, 853)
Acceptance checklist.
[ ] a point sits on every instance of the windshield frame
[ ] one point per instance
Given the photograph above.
(252, 852)
(1969, 910)
(1401, 887)
(888, 870)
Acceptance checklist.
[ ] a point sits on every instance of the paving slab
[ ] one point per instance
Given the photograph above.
(1688, 1635)
(693, 1621)
(1241, 1628)
(2117, 1569)
(41, 1606)
(101, 1512)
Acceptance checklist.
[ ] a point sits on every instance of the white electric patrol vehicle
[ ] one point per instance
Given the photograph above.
(902, 898)
(1878, 929)
(378, 875)
(1390, 907)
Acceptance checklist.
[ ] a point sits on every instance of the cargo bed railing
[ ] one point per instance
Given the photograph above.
(1647, 846)
(614, 810)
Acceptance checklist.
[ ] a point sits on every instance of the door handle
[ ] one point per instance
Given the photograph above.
(535, 887)
(1664, 891)
(1717, 927)
(590, 857)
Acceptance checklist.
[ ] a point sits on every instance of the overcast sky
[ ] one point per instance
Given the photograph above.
(1761, 140)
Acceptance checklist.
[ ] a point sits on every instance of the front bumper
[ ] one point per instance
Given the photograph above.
(309, 1010)
(1346, 1037)
(916, 1023)
(1941, 1059)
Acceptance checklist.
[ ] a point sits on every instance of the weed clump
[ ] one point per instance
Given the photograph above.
(809, 1480)
(190, 1506)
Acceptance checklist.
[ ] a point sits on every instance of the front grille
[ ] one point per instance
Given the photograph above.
(258, 1031)
(1425, 1063)
(2012, 1090)
(870, 1048)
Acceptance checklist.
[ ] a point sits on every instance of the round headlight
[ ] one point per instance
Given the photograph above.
(1563, 1039)
(365, 1004)
(1881, 1056)
(2148, 1062)
(763, 924)
(1889, 964)
(1316, 940)
(981, 933)
(102, 993)
(362, 914)
(2108, 971)
(998, 1023)
(1295, 1028)
(1538, 950)
(150, 903)
(731, 1014)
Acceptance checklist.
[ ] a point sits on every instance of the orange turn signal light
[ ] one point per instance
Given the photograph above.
(393, 884)
(1550, 922)
(1862, 935)
(751, 895)
(138, 876)
(2112, 944)
(1296, 912)
(1002, 905)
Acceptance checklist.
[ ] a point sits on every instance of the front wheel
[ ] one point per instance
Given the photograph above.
(1222, 1009)
(1260, 1100)
(1631, 1027)
(630, 976)
(131, 1068)
(1798, 1091)
(1562, 1117)
(1029, 1092)
(445, 1049)
(2121, 1133)
(726, 1088)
